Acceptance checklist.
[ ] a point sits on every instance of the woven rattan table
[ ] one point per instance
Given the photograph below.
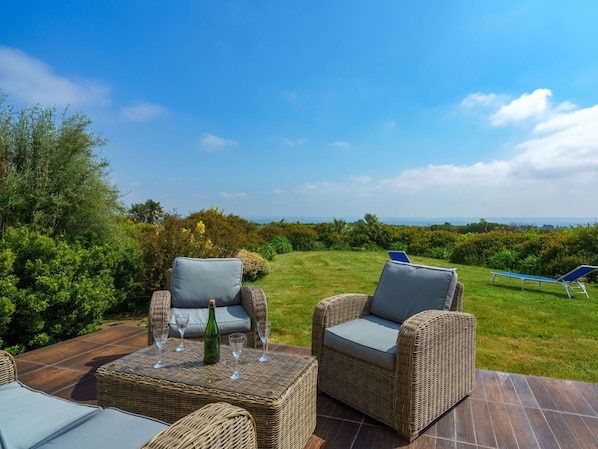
(280, 394)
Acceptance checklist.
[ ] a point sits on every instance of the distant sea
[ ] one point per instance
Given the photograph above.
(540, 222)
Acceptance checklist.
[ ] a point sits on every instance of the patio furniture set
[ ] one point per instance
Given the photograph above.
(403, 356)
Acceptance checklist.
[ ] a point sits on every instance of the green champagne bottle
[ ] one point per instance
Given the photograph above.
(211, 338)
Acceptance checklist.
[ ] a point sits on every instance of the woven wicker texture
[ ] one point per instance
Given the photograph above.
(217, 425)
(253, 300)
(8, 368)
(280, 394)
(435, 364)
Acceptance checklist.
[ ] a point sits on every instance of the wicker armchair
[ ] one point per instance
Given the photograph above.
(192, 282)
(430, 356)
(218, 424)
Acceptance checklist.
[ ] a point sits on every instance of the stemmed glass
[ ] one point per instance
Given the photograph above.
(236, 342)
(160, 337)
(263, 329)
(182, 319)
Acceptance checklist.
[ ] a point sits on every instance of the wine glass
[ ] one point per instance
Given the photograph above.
(182, 319)
(160, 337)
(263, 329)
(236, 342)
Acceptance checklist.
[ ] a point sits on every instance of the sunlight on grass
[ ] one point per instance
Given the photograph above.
(536, 332)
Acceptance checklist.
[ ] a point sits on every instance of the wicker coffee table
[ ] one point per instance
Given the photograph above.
(280, 394)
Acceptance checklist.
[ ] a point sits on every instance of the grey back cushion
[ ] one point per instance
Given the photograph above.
(195, 281)
(407, 289)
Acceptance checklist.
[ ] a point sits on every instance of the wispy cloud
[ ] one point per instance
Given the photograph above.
(231, 196)
(142, 112)
(300, 141)
(563, 145)
(210, 142)
(340, 144)
(31, 81)
(479, 99)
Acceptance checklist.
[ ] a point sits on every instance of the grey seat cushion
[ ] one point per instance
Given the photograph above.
(407, 289)
(230, 319)
(195, 281)
(109, 428)
(372, 339)
(28, 416)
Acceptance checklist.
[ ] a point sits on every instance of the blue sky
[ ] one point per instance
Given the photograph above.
(325, 108)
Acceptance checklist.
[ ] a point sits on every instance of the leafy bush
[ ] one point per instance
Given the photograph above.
(281, 244)
(62, 289)
(531, 265)
(505, 259)
(254, 265)
(267, 251)
(476, 249)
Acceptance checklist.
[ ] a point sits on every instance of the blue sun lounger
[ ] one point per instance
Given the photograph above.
(399, 256)
(571, 281)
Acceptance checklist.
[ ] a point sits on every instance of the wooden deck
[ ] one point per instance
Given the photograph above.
(504, 410)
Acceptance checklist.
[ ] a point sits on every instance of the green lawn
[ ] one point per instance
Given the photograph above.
(534, 332)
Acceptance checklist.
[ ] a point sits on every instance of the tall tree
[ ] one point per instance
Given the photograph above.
(51, 177)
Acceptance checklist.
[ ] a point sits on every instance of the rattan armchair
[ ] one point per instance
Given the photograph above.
(433, 362)
(205, 281)
(216, 425)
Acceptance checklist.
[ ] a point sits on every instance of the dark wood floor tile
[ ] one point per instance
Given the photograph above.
(85, 391)
(509, 393)
(541, 429)
(524, 392)
(423, 442)
(541, 393)
(492, 387)
(561, 430)
(583, 434)
(330, 407)
(590, 393)
(567, 398)
(55, 353)
(501, 423)
(482, 422)
(465, 431)
(92, 360)
(51, 379)
(592, 424)
(445, 426)
(522, 428)
(337, 433)
(377, 437)
(25, 366)
(445, 444)
(461, 445)
(115, 334)
(478, 391)
(136, 341)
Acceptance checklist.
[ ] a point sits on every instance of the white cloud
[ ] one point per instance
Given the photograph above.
(563, 148)
(142, 112)
(211, 142)
(551, 172)
(32, 81)
(340, 144)
(231, 196)
(479, 99)
(291, 142)
(528, 106)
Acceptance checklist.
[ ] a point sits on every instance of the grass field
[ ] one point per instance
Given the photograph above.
(536, 332)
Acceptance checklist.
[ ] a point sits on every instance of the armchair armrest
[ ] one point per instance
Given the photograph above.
(159, 312)
(8, 368)
(217, 424)
(335, 310)
(439, 342)
(254, 302)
